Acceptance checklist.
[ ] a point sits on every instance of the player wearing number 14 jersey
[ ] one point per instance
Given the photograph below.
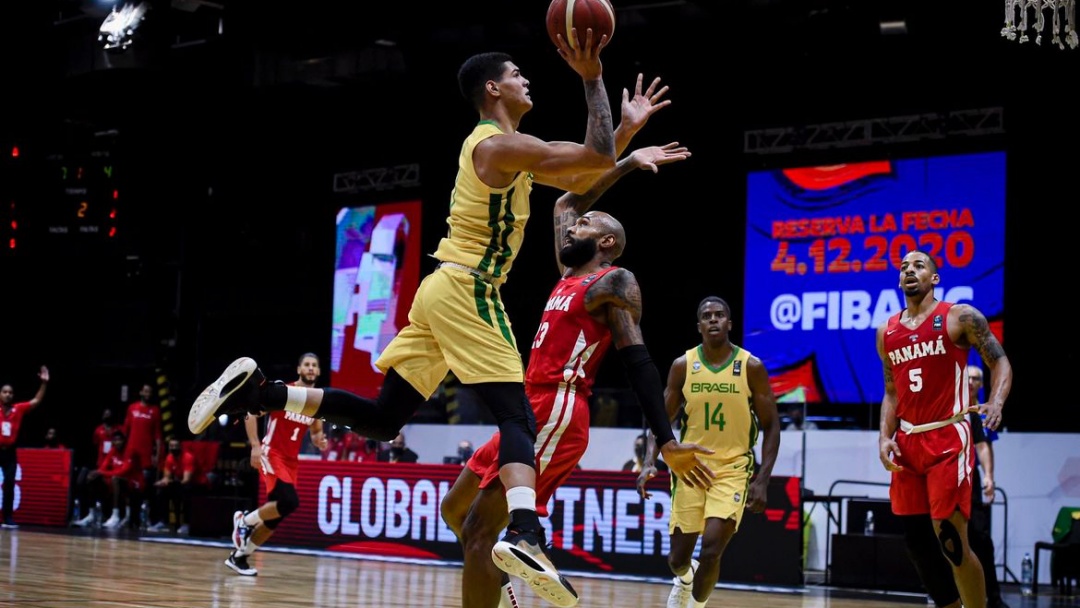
(724, 397)
(278, 455)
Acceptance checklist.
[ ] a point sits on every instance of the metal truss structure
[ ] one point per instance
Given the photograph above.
(379, 178)
(888, 130)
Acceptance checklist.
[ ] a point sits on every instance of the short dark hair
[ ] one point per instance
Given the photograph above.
(716, 300)
(933, 264)
(476, 71)
(306, 355)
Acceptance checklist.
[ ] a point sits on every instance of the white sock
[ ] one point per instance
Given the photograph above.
(698, 604)
(252, 519)
(687, 577)
(507, 599)
(248, 548)
(521, 497)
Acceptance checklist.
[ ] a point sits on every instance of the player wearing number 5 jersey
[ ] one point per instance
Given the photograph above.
(925, 440)
(278, 456)
(721, 394)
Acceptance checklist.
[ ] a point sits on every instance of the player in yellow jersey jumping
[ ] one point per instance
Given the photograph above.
(723, 396)
(457, 321)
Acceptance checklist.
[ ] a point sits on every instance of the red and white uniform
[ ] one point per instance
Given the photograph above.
(102, 442)
(142, 427)
(931, 385)
(186, 463)
(281, 446)
(125, 465)
(566, 354)
(10, 422)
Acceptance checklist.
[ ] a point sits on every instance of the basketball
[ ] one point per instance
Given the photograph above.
(564, 15)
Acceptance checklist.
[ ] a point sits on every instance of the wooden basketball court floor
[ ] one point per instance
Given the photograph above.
(47, 568)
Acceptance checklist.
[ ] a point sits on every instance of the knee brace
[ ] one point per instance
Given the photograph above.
(950, 536)
(284, 495)
(924, 550)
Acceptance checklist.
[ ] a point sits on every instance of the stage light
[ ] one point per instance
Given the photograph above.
(119, 26)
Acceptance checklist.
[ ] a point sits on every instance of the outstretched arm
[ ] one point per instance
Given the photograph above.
(572, 206)
(43, 375)
(637, 110)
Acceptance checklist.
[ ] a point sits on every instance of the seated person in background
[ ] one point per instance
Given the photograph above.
(52, 440)
(180, 480)
(346, 445)
(120, 477)
(360, 449)
(464, 452)
(398, 452)
(797, 413)
(634, 464)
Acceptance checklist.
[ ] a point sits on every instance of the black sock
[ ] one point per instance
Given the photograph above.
(525, 520)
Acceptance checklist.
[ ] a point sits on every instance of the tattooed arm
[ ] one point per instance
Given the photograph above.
(972, 329)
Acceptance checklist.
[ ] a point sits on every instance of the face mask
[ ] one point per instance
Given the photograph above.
(464, 453)
(640, 451)
(396, 452)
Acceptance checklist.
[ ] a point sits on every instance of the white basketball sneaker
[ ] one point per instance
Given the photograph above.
(682, 594)
(235, 391)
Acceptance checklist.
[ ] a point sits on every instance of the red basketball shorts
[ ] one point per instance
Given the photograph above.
(562, 422)
(937, 472)
(275, 468)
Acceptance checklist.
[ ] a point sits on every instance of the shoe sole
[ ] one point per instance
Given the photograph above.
(547, 583)
(237, 517)
(237, 569)
(204, 410)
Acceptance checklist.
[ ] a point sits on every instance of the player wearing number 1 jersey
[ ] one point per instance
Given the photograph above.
(278, 455)
(724, 397)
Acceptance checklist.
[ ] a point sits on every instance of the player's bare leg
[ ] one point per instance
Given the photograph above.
(967, 571)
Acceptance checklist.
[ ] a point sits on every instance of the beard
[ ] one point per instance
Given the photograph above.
(577, 252)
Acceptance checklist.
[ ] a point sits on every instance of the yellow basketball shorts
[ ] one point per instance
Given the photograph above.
(725, 498)
(456, 323)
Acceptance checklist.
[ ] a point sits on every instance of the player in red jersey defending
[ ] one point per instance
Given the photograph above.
(594, 304)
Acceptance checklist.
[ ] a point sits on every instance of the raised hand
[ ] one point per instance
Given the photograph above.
(583, 58)
(636, 110)
(653, 156)
(683, 462)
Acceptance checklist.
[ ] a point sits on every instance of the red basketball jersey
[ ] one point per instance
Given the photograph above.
(142, 427)
(927, 367)
(285, 435)
(10, 422)
(569, 343)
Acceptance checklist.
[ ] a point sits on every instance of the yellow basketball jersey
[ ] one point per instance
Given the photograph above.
(717, 412)
(487, 225)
